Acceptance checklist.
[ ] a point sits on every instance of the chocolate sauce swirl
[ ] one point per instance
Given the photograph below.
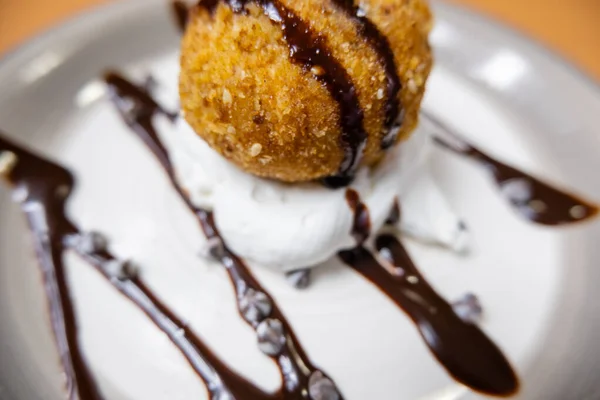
(393, 109)
(460, 346)
(309, 50)
(533, 199)
(275, 335)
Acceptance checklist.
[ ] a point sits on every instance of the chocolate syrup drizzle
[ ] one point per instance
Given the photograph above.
(393, 110)
(309, 49)
(276, 337)
(219, 379)
(181, 14)
(42, 189)
(531, 198)
(361, 226)
(460, 346)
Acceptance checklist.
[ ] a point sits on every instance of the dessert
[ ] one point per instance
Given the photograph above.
(370, 248)
(298, 91)
(248, 87)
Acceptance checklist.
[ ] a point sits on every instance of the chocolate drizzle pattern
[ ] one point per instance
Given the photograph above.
(276, 337)
(533, 199)
(460, 346)
(393, 109)
(42, 188)
(309, 49)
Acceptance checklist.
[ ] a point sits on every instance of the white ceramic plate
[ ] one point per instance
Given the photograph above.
(537, 285)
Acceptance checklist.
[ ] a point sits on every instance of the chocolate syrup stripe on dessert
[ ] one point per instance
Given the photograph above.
(393, 109)
(531, 198)
(42, 188)
(309, 49)
(276, 337)
(461, 347)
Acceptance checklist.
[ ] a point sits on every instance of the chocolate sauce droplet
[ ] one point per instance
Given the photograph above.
(361, 227)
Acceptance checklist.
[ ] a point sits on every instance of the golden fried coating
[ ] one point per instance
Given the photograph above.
(242, 92)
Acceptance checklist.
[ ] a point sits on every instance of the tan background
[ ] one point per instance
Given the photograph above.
(571, 27)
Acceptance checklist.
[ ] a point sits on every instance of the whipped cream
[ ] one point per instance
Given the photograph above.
(296, 226)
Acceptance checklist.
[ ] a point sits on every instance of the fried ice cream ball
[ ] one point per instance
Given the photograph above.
(245, 95)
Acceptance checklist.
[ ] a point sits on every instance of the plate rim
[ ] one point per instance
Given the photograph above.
(518, 34)
(69, 23)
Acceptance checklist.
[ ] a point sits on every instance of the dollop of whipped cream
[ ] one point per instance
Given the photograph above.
(296, 226)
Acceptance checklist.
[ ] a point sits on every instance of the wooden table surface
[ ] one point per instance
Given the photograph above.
(570, 27)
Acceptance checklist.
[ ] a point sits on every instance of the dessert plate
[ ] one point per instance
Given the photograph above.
(536, 285)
